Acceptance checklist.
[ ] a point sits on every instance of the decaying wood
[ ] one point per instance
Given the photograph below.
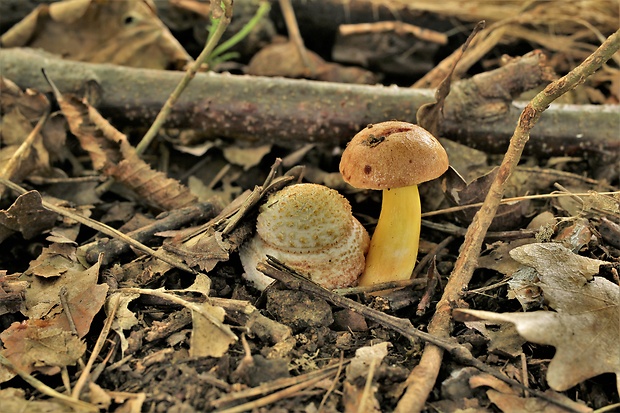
(293, 112)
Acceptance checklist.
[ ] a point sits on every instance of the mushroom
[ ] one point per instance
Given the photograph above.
(395, 157)
(310, 228)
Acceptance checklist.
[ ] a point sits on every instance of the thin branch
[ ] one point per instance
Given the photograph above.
(222, 24)
(114, 302)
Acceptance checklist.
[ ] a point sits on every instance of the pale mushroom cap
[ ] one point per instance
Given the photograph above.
(311, 229)
(304, 216)
(392, 154)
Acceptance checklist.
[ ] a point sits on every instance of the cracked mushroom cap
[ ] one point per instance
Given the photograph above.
(392, 154)
(310, 228)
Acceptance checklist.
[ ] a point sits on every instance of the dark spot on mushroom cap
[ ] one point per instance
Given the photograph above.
(367, 169)
(373, 140)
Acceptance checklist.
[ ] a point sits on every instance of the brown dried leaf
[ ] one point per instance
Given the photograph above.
(38, 345)
(504, 340)
(124, 318)
(584, 329)
(42, 298)
(125, 32)
(27, 215)
(282, 59)
(111, 152)
(20, 112)
(47, 340)
(54, 261)
(247, 157)
(208, 340)
(508, 216)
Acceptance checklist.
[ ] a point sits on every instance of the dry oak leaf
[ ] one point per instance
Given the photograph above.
(111, 153)
(585, 327)
(127, 33)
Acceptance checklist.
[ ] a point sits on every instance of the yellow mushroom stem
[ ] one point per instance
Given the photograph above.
(394, 244)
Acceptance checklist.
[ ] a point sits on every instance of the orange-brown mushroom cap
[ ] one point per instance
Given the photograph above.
(392, 154)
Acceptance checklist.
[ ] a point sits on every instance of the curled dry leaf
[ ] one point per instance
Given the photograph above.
(111, 153)
(584, 329)
(208, 340)
(127, 33)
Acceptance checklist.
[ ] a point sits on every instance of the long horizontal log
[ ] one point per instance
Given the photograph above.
(291, 112)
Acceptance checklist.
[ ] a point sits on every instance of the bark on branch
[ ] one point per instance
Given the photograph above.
(292, 112)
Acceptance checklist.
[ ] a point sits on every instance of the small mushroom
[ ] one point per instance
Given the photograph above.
(394, 157)
(310, 228)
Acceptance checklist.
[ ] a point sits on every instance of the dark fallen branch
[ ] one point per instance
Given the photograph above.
(292, 112)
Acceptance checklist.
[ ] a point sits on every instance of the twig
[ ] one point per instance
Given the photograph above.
(276, 385)
(222, 24)
(390, 285)
(294, 35)
(65, 307)
(417, 392)
(514, 199)
(395, 26)
(366, 393)
(431, 254)
(109, 231)
(113, 303)
(174, 219)
(455, 230)
(334, 383)
(264, 401)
